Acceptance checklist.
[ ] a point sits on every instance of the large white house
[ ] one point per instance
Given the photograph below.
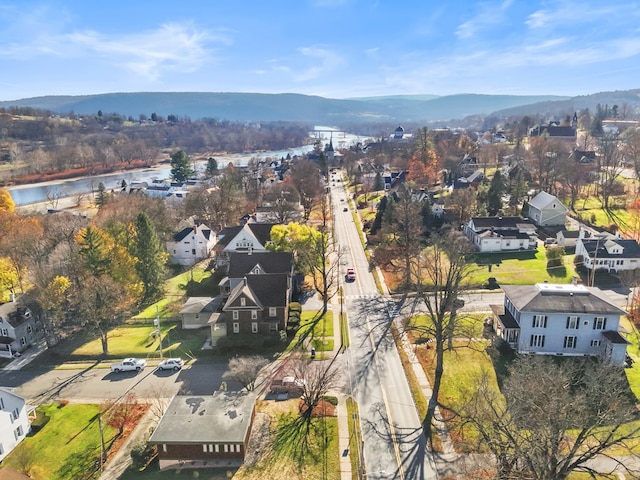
(501, 234)
(554, 319)
(191, 245)
(14, 421)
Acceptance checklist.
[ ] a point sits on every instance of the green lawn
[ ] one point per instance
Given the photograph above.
(175, 289)
(67, 447)
(313, 327)
(467, 325)
(133, 340)
(518, 268)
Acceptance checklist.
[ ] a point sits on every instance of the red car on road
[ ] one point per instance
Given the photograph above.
(351, 275)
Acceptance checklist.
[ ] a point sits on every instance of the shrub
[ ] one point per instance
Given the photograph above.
(141, 455)
(331, 399)
(295, 307)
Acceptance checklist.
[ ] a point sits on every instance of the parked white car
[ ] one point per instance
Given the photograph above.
(171, 364)
(129, 365)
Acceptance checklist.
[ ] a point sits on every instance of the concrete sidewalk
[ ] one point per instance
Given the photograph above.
(27, 356)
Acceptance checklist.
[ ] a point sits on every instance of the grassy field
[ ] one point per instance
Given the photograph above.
(129, 341)
(518, 268)
(74, 431)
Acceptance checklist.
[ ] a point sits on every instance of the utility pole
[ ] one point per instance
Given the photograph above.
(156, 322)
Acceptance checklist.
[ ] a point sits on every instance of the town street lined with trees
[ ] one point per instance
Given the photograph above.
(365, 238)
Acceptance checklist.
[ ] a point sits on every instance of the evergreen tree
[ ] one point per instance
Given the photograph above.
(212, 167)
(181, 166)
(495, 193)
(102, 197)
(151, 258)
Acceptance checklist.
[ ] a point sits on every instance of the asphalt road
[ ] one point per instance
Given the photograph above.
(97, 385)
(393, 443)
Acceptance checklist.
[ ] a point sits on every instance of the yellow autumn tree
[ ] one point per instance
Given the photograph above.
(6, 202)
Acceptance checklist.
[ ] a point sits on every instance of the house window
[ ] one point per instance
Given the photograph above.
(539, 321)
(254, 314)
(595, 343)
(238, 448)
(1, 403)
(1, 449)
(164, 447)
(600, 323)
(570, 341)
(236, 327)
(573, 322)
(193, 251)
(29, 329)
(272, 311)
(197, 316)
(537, 341)
(243, 302)
(254, 327)
(217, 448)
(204, 447)
(235, 314)
(23, 341)
(18, 432)
(4, 332)
(226, 448)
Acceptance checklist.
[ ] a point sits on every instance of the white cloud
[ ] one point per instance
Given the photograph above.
(488, 15)
(174, 47)
(325, 61)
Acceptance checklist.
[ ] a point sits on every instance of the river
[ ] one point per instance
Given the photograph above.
(51, 191)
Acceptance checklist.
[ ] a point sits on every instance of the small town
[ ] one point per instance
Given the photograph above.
(226, 280)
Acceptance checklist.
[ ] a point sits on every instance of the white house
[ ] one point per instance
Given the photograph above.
(14, 420)
(554, 319)
(546, 210)
(191, 245)
(501, 234)
(250, 237)
(609, 254)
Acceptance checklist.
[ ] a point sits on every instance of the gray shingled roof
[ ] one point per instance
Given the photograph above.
(542, 200)
(482, 223)
(224, 417)
(241, 263)
(552, 298)
(630, 248)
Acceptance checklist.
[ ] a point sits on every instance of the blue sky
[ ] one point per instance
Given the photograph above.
(331, 48)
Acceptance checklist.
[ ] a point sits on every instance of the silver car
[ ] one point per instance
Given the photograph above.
(171, 364)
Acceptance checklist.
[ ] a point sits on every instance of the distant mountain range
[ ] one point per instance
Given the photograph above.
(256, 107)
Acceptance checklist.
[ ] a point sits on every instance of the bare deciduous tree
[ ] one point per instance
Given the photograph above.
(438, 276)
(245, 370)
(555, 418)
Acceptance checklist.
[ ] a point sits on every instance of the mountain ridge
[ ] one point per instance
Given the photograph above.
(260, 107)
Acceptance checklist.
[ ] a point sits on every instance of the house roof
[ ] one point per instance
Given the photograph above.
(543, 199)
(9, 391)
(261, 231)
(241, 263)
(201, 305)
(224, 417)
(14, 313)
(569, 233)
(552, 131)
(615, 337)
(560, 298)
(481, 223)
(598, 248)
(504, 316)
(502, 233)
(264, 290)
(200, 229)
